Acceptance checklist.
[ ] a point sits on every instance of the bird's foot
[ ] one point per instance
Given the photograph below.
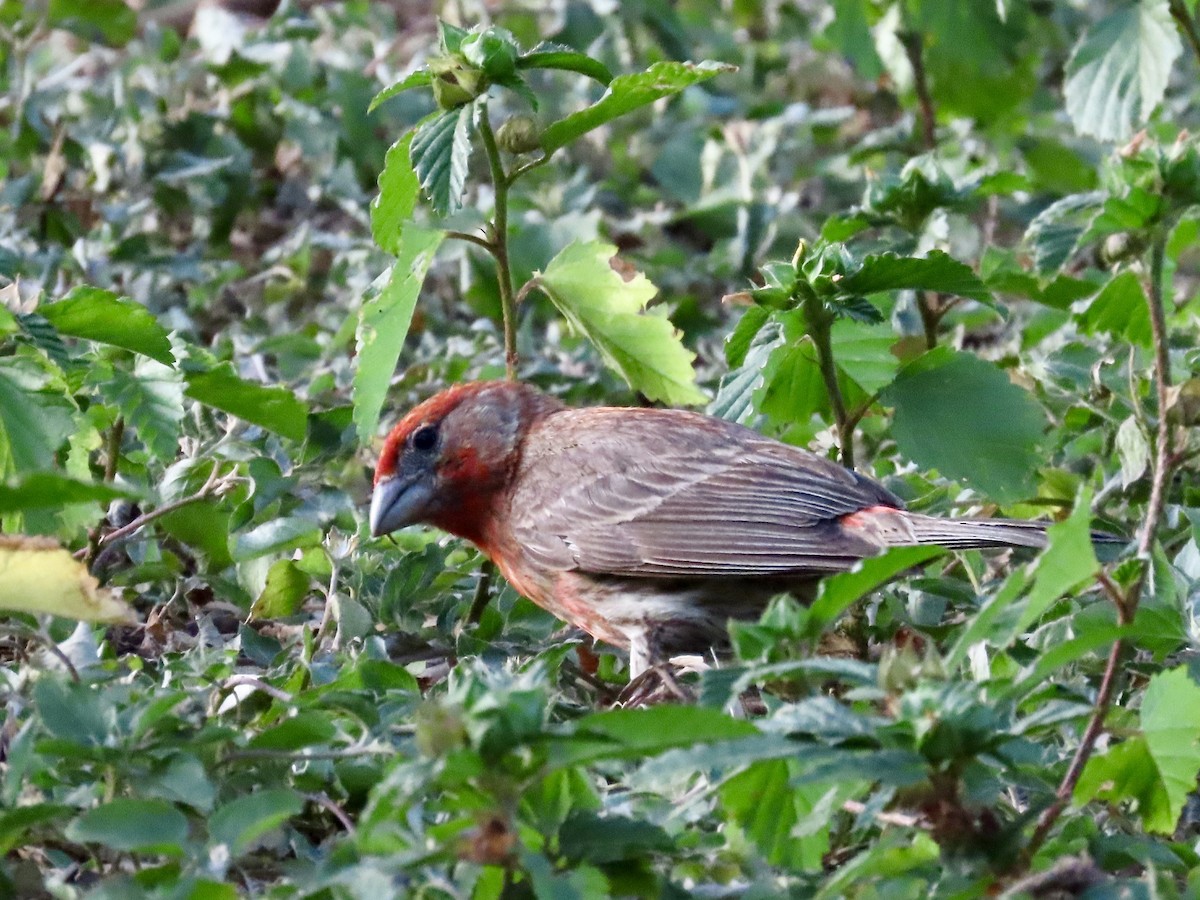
(656, 684)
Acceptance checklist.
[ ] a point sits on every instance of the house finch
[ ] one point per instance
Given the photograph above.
(647, 528)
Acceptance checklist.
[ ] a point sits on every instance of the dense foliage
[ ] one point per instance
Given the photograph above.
(952, 244)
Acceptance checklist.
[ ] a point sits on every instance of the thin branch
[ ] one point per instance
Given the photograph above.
(820, 321)
(499, 242)
(472, 239)
(482, 592)
(304, 755)
(1095, 725)
(528, 288)
(528, 167)
(1183, 18)
(903, 820)
(326, 803)
(259, 685)
(210, 487)
(915, 51)
(18, 629)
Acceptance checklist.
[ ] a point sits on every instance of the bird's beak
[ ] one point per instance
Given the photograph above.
(397, 502)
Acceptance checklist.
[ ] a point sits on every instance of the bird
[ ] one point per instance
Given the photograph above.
(647, 528)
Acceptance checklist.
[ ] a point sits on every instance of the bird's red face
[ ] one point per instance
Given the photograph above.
(446, 462)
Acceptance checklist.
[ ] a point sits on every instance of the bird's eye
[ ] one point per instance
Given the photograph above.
(425, 438)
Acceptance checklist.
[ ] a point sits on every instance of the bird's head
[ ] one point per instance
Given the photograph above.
(446, 461)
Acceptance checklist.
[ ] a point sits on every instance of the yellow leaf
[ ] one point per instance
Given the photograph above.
(39, 576)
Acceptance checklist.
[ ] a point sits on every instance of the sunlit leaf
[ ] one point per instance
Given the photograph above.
(103, 316)
(39, 576)
(608, 305)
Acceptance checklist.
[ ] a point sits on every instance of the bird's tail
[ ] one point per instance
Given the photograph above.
(969, 534)
(900, 528)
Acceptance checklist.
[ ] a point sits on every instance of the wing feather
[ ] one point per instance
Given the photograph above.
(672, 493)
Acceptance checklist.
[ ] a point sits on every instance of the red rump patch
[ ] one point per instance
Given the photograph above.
(862, 518)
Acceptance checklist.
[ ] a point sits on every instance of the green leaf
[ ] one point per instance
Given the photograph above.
(383, 324)
(1068, 562)
(276, 536)
(73, 711)
(1171, 724)
(1120, 309)
(763, 802)
(419, 78)
(440, 150)
(38, 576)
(1055, 233)
(838, 592)
(961, 415)
(1119, 70)
(1133, 449)
(863, 353)
(33, 423)
(107, 21)
(554, 56)
(610, 309)
(399, 188)
(629, 92)
(102, 316)
(938, 271)
(1127, 773)
(151, 400)
(132, 825)
(305, 729)
(621, 733)
(50, 490)
(241, 822)
(274, 408)
(287, 586)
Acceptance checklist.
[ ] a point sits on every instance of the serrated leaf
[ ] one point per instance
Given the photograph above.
(274, 408)
(1127, 773)
(610, 309)
(629, 92)
(440, 150)
(762, 800)
(555, 56)
(961, 415)
(105, 317)
(419, 78)
(38, 576)
(938, 271)
(151, 400)
(1119, 70)
(863, 353)
(735, 395)
(383, 323)
(399, 188)
(130, 824)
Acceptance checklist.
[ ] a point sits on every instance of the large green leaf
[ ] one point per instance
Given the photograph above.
(1119, 70)
(51, 490)
(129, 824)
(961, 415)
(628, 92)
(383, 324)
(608, 306)
(240, 822)
(556, 56)
(1120, 309)
(440, 149)
(100, 315)
(274, 408)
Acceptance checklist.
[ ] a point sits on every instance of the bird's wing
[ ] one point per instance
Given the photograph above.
(671, 493)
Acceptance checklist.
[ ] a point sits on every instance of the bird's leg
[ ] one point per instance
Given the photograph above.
(649, 672)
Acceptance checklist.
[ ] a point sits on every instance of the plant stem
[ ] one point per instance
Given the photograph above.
(914, 50)
(820, 323)
(483, 592)
(929, 319)
(113, 449)
(1165, 461)
(499, 242)
(1183, 18)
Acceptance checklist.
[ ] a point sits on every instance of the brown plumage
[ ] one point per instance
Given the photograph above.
(647, 528)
